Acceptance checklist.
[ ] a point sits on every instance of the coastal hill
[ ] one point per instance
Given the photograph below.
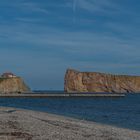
(76, 81)
(10, 83)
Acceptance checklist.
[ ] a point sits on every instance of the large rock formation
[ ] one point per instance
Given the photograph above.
(76, 81)
(13, 85)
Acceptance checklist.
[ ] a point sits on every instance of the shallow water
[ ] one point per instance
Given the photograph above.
(122, 112)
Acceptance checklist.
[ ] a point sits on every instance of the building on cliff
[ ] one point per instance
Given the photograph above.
(8, 75)
(10, 83)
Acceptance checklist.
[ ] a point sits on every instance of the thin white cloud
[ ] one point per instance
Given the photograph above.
(74, 6)
(80, 42)
(97, 5)
(33, 7)
(24, 6)
(74, 10)
(105, 7)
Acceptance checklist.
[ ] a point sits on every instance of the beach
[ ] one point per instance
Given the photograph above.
(20, 124)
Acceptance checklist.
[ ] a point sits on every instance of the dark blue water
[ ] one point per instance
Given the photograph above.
(122, 112)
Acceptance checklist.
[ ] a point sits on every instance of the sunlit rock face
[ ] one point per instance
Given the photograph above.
(13, 85)
(76, 81)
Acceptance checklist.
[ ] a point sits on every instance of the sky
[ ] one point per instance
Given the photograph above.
(40, 39)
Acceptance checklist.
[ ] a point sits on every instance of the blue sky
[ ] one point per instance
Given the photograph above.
(40, 39)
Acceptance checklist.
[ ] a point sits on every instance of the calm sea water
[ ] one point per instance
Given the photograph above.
(122, 112)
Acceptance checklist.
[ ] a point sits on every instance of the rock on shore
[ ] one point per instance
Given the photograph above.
(13, 85)
(76, 81)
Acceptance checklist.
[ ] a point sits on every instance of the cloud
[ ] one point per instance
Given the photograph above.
(97, 6)
(70, 42)
(21, 6)
(33, 7)
(74, 9)
(74, 6)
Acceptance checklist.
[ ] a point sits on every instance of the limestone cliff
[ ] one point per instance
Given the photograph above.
(76, 81)
(13, 85)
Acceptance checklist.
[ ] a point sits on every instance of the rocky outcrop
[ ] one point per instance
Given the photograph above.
(13, 85)
(76, 81)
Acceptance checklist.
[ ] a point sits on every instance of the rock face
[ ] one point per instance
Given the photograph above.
(76, 81)
(13, 85)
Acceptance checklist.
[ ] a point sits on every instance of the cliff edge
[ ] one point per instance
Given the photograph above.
(76, 81)
(13, 85)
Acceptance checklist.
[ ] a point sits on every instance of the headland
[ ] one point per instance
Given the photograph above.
(76, 81)
(10, 83)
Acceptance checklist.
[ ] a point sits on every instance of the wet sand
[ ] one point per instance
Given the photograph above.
(20, 124)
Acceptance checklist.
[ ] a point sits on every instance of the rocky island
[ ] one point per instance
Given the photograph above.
(10, 83)
(76, 81)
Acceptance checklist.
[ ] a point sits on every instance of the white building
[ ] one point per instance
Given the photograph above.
(8, 75)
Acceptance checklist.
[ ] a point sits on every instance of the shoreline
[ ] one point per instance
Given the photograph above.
(34, 125)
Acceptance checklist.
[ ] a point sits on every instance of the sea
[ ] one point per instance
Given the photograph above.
(121, 112)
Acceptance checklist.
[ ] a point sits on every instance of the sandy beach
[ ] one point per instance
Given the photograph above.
(20, 124)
